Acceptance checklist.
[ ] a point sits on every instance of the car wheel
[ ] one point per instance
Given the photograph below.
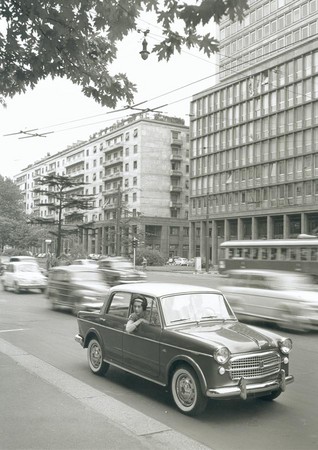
(290, 322)
(52, 301)
(271, 396)
(186, 391)
(95, 358)
(16, 288)
(42, 290)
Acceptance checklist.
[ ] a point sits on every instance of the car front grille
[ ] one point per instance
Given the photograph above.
(258, 365)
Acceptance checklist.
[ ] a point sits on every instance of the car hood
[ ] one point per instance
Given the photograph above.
(93, 287)
(131, 273)
(237, 337)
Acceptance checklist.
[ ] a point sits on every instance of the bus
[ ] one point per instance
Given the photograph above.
(294, 255)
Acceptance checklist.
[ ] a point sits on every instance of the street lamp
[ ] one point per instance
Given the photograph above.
(144, 52)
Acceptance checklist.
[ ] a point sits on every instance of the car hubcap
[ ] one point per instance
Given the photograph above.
(96, 356)
(185, 390)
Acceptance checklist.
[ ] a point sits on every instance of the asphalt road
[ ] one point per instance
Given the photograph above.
(290, 422)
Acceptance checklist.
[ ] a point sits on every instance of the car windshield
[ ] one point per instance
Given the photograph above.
(195, 307)
(87, 277)
(28, 268)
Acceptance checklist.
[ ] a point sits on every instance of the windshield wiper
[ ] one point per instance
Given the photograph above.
(208, 317)
(180, 320)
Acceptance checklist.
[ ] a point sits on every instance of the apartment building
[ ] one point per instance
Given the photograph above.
(138, 172)
(254, 135)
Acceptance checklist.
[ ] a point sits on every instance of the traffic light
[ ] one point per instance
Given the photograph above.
(134, 242)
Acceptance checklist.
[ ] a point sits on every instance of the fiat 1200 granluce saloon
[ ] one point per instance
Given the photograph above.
(189, 340)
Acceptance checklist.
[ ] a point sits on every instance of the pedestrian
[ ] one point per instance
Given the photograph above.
(144, 263)
(138, 315)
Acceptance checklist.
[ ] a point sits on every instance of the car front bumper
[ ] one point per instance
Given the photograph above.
(243, 390)
(79, 339)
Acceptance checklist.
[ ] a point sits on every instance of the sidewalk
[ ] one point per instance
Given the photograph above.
(43, 408)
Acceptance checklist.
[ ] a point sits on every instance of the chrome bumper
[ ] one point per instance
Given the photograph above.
(243, 389)
(79, 339)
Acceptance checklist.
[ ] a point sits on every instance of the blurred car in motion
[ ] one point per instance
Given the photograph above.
(189, 340)
(288, 299)
(119, 270)
(178, 261)
(181, 261)
(22, 276)
(4, 261)
(77, 287)
(85, 262)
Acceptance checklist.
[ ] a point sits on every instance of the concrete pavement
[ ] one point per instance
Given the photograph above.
(42, 407)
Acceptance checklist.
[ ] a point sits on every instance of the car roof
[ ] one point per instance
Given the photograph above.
(160, 289)
(75, 268)
(264, 272)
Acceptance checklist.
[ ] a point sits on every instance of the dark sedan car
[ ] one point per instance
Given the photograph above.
(76, 288)
(119, 270)
(191, 341)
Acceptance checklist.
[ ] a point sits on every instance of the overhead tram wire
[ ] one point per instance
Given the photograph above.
(126, 108)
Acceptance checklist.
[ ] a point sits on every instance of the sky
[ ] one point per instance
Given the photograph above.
(60, 107)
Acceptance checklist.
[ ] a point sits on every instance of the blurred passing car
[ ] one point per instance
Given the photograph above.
(288, 299)
(85, 262)
(191, 341)
(22, 276)
(76, 288)
(118, 270)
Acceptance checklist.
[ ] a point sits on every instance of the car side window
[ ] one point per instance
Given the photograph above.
(152, 313)
(119, 304)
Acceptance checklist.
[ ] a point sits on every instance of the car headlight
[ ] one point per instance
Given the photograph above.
(222, 355)
(285, 346)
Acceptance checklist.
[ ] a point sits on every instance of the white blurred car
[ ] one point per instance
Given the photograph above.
(288, 299)
(23, 275)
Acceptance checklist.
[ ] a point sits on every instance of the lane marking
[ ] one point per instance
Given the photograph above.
(13, 329)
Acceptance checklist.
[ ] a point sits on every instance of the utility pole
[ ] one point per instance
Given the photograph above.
(207, 237)
(118, 218)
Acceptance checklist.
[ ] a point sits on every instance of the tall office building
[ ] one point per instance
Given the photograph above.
(138, 172)
(254, 135)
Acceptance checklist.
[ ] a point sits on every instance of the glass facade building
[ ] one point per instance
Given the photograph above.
(254, 135)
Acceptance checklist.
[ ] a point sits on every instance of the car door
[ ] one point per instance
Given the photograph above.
(8, 276)
(113, 323)
(141, 348)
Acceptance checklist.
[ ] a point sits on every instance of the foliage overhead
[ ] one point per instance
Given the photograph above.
(78, 40)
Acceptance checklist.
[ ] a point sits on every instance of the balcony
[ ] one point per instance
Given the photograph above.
(176, 173)
(174, 204)
(114, 175)
(176, 142)
(176, 157)
(174, 188)
(113, 161)
(73, 162)
(117, 146)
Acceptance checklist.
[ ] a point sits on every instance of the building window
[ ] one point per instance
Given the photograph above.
(135, 149)
(174, 231)
(135, 132)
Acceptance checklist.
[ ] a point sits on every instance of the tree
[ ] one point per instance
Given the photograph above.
(63, 200)
(14, 229)
(78, 40)
(11, 200)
